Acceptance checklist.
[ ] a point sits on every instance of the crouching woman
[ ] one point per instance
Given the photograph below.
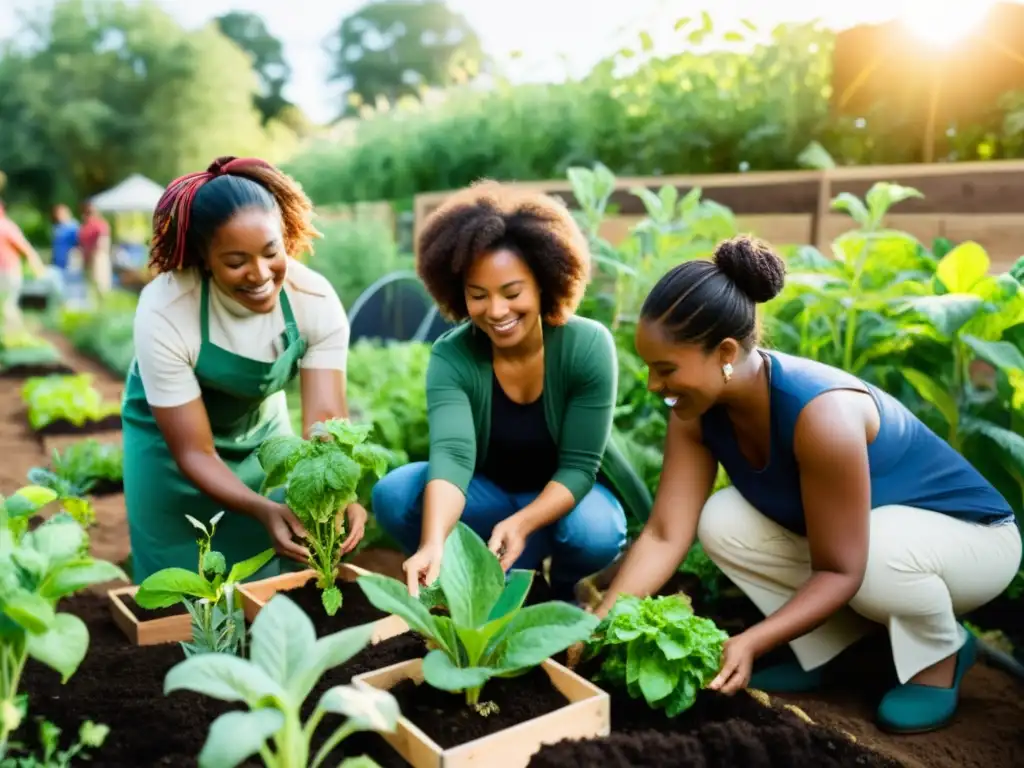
(520, 398)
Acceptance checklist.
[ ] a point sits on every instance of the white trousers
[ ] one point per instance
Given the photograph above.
(924, 568)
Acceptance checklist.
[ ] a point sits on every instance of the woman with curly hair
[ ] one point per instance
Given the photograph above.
(520, 397)
(846, 514)
(230, 319)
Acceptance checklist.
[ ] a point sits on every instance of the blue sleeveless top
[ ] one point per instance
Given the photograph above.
(909, 464)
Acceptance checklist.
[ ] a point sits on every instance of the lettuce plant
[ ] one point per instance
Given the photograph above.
(487, 632)
(70, 398)
(324, 475)
(657, 649)
(286, 663)
(37, 569)
(218, 622)
(79, 467)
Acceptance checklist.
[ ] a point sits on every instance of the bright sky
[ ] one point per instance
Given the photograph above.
(554, 36)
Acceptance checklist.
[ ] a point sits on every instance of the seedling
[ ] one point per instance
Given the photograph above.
(324, 475)
(37, 569)
(287, 662)
(218, 622)
(487, 632)
(657, 649)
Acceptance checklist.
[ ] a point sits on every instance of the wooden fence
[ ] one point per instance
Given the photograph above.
(980, 201)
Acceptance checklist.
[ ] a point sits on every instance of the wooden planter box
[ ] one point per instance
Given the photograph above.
(255, 595)
(171, 629)
(587, 715)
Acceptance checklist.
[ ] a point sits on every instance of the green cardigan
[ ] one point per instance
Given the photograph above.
(580, 380)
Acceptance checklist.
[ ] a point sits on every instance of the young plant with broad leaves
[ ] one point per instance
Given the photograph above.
(335, 467)
(487, 632)
(658, 650)
(218, 621)
(286, 663)
(37, 569)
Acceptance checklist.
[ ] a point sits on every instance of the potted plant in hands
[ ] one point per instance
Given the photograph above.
(486, 638)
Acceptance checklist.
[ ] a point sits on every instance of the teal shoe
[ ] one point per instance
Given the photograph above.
(789, 677)
(912, 708)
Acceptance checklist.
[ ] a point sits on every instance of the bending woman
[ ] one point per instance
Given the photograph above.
(230, 319)
(520, 397)
(845, 511)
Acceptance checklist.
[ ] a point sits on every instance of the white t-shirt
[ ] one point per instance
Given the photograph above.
(168, 334)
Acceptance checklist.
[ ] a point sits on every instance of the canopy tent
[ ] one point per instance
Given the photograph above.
(134, 194)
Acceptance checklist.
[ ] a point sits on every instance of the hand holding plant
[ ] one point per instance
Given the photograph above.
(487, 632)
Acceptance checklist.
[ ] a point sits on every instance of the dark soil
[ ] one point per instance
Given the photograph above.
(355, 608)
(147, 614)
(106, 487)
(447, 719)
(28, 371)
(1006, 614)
(121, 685)
(62, 427)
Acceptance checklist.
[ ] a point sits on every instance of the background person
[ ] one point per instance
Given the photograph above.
(13, 248)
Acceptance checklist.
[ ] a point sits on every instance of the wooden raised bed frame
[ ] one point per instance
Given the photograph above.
(255, 595)
(587, 715)
(170, 629)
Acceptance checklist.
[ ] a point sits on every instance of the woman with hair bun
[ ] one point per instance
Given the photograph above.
(230, 319)
(520, 398)
(845, 511)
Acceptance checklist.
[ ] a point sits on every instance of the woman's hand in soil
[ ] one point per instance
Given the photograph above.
(284, 527)
(737, 665)
(356, 517)
(423, 567)
(508, 540)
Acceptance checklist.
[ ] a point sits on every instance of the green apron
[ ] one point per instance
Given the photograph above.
(245, 401)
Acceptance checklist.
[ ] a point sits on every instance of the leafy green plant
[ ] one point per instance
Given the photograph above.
(287, 662)
(22, 348)
(487, 632)
(37, 569)
(76, 470)
(90, 736)
(218, 621)
(324, 474)
(658, 650)
(65, 398)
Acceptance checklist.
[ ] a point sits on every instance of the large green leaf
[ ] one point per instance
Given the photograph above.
(277, 455)
(243, 570)
(947, 313)
(933, 393)
(169, 586)
(367, 708)
(471, 577)
(28, 610)
(851, 204)
(1001, 354)
(59, 540)
(392, 596)
(223, 677)
(1010, 442)
(538, 632)
(883, 195)
(329, 652)
(441, 673)
(512, 597)
(62, 647)
(658, 676)
(963, 267)
(282, 640)
(78, 574)
(236, 736)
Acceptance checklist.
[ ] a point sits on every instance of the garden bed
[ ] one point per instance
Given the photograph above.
(19, 372)
(110, 423)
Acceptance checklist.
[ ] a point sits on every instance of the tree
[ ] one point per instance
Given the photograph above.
(393, 48)
(249, 32)
(97, 90)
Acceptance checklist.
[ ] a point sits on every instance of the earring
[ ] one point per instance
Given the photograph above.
(727, 372)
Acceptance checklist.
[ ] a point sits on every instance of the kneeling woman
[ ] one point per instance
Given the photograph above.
(520, 398)
(230, 319)
(845, 512)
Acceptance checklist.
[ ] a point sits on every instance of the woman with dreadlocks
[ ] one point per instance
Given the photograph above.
(230, 319)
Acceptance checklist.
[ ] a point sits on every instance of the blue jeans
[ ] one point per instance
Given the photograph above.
(581, 543)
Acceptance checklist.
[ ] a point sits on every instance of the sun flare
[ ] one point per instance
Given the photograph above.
(942, 25)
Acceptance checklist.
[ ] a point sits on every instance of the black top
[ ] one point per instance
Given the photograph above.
(521, 456)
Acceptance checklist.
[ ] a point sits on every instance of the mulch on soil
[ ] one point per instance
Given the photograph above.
(355, 608)
(446, 718)
(152, 614)
(62, 427)
(21, 372)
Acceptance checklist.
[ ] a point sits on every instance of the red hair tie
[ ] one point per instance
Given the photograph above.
(175, 204)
